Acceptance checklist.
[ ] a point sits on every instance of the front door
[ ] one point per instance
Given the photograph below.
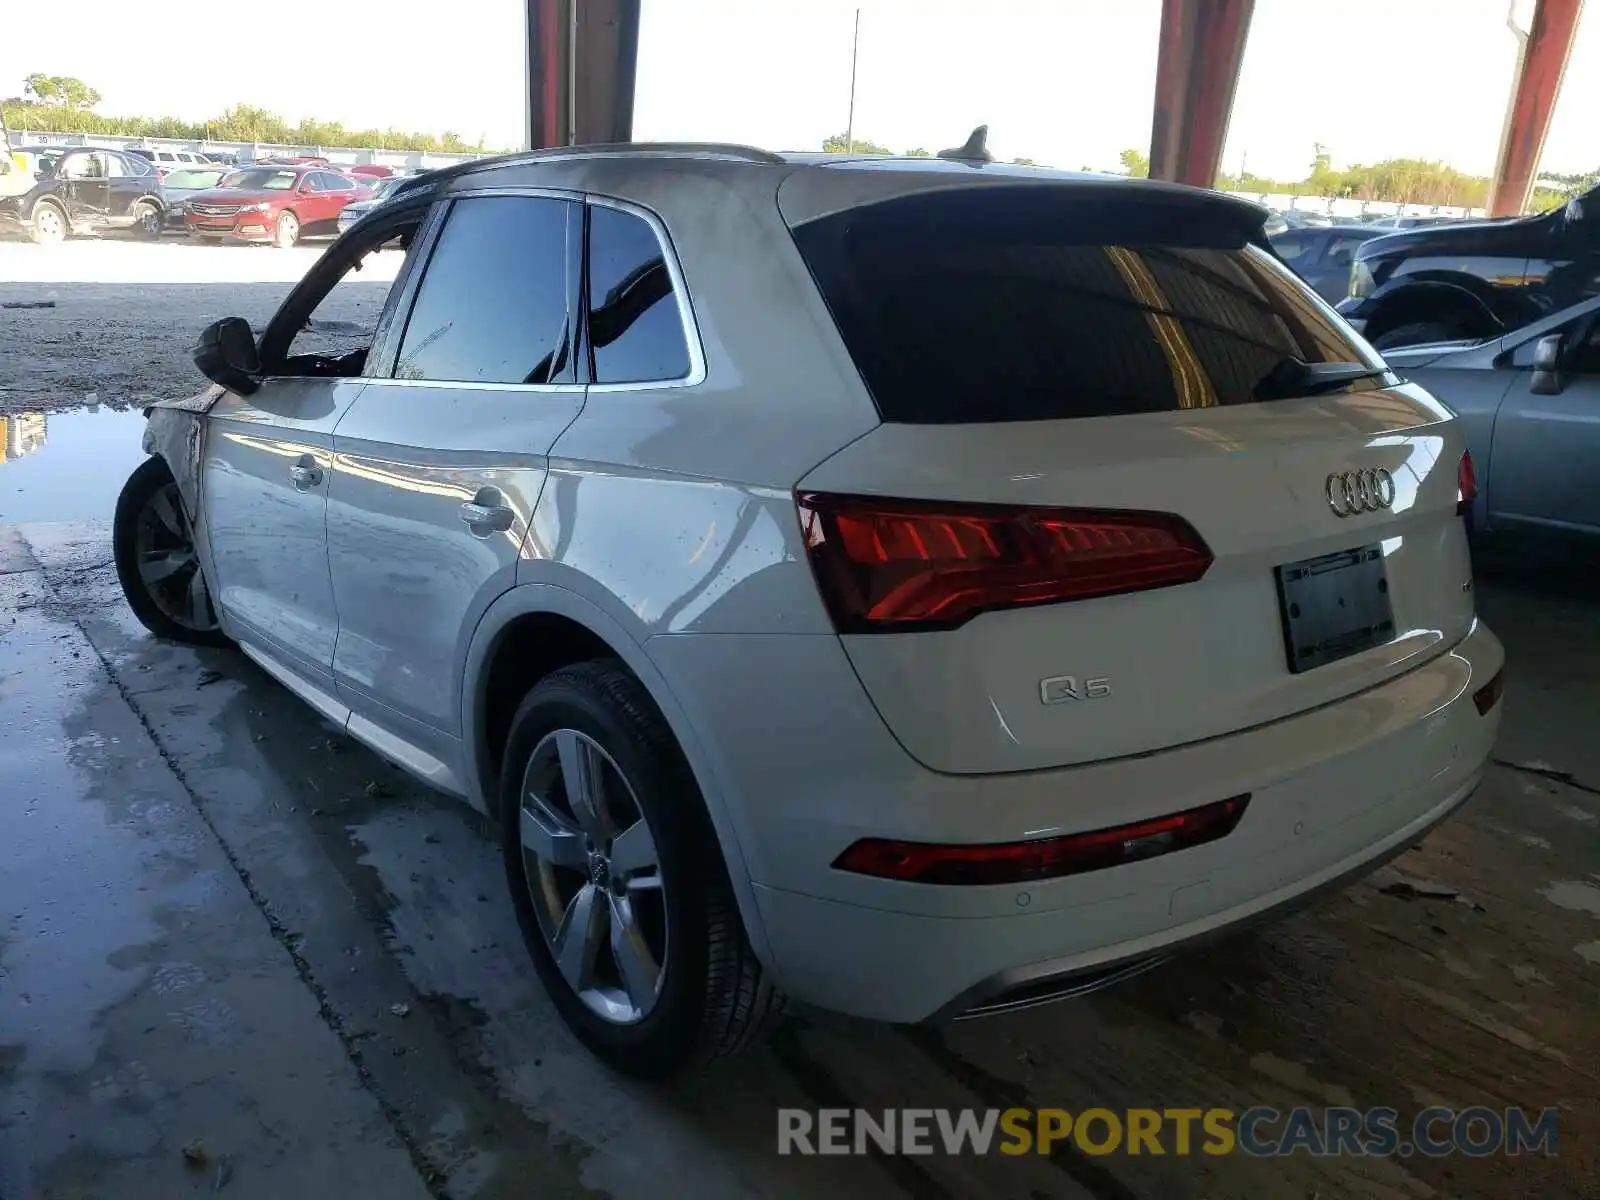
(266, 492)
(439, 463)
(268, 462)
(84, 186)
(1546, 452)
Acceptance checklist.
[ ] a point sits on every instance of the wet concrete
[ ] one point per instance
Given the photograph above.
(368, 892)
(156, 1038)
(66, 465)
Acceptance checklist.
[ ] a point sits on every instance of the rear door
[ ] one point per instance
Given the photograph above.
(123, 189)
(438, 466)
(1106, 511)
(335, 191)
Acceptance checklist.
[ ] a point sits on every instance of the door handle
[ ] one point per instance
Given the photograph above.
(484, 519)
(306, 475)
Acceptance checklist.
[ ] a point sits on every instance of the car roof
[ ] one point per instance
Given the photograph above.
(873, 175)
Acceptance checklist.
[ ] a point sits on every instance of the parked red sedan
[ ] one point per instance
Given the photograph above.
(275, 204)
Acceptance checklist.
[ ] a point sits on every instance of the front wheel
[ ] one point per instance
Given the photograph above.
(49, 225)
(158, 565)
(287, 231)
(618, 882)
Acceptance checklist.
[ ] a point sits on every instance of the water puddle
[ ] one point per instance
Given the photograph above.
(66, 466)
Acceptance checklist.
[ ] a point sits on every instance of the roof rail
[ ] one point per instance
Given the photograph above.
(717, 150)
(695, 149)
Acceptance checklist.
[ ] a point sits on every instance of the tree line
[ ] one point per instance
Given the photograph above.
(62, 104)
(1397, 180)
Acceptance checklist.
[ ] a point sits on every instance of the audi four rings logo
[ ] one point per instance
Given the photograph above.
(1352, 492)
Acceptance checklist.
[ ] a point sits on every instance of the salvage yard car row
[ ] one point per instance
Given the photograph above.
(51, 194)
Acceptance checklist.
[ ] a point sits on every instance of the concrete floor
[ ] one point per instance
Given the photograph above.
(210, 906)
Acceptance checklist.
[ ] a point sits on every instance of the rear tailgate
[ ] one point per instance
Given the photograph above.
(1054, 361)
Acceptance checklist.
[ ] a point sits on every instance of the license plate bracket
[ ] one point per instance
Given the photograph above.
(1334, 606)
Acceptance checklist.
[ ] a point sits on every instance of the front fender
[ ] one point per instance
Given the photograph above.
(543, 598)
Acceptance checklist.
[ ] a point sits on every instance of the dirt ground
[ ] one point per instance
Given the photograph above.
(224, 926)
(113, 322)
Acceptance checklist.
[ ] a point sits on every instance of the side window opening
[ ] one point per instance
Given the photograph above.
(492, 306)
(636, 332)
(335, 338)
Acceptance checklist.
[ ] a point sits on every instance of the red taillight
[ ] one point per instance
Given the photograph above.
(1466, 484)
(1046, 858)
(1488, 695)
(895, 565)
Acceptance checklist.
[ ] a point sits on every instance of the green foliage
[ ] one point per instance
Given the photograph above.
(919, 152)
(837, 144)
(1023, 162)
(60, 91)
(59, 104)
(1401, 180)
(1135, 163)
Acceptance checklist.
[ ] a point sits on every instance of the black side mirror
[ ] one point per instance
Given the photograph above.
(226, 354)
(1547, 380)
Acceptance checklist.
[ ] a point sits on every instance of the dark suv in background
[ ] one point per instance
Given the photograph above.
(82, 189)
(1474, 279)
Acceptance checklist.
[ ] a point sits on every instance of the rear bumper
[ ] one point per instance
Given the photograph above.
(1043, 983)
(1335, 791)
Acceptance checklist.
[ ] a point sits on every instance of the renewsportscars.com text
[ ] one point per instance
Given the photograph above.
(1259, 1132)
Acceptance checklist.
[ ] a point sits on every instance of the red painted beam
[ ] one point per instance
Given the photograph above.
(1197, 70)
(581, 60)
(1540, 66)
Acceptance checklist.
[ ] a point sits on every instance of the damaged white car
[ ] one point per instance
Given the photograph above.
(918, 588)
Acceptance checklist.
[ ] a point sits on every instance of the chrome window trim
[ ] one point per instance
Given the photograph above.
(680, 292)
(467, 384)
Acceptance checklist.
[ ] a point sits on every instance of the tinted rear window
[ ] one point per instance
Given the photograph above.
(1019, 304)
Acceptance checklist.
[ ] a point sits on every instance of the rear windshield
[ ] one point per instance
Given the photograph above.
(1023, 304)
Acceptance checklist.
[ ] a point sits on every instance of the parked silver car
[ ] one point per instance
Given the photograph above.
(1530, 404)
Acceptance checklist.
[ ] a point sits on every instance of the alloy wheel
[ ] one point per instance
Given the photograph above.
(168, 563)
(594, 876)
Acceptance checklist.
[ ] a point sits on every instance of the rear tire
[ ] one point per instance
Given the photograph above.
(671, 909)
(1419, 333)
(49, 226)
(157, 561)
(287, 231)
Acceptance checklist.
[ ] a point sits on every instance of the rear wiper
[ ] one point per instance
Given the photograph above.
(1293, 377)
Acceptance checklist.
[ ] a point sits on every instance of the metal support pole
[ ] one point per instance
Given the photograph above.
(1541, 62)
(582, 58)
(1197, 70)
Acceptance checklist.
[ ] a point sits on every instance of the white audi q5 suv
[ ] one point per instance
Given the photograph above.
(914, 588)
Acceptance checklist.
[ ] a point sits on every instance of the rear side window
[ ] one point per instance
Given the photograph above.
(636, 333)
(492, 306)
(1294, 247)
(1026, 303)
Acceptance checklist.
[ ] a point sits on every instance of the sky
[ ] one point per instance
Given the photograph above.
(1063, 82)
